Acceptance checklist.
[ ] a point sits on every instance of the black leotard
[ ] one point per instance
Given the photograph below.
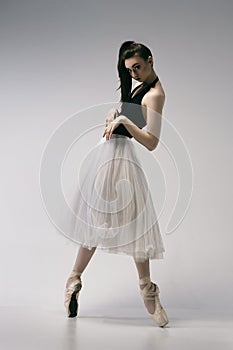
(133, 110)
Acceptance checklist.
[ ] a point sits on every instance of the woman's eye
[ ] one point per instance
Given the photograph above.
(134, 69)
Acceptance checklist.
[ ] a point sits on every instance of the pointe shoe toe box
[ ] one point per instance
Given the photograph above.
(71, 297)
(151, 291)
(160, 317)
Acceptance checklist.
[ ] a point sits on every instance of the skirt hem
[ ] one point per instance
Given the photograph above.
(138, 256)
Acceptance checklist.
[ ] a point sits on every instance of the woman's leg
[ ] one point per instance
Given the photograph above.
(83, 257)
(143, 269)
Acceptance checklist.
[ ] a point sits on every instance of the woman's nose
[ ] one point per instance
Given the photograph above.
(134, 75)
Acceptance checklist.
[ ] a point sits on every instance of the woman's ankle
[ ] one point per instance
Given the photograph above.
(76, 272)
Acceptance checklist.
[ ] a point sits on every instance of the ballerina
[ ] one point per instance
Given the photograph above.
(128, 224)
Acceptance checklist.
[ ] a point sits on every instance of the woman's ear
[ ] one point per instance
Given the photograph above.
(150, 60)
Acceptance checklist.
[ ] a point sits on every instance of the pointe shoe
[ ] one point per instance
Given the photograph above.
(151, 292)
(72, 294)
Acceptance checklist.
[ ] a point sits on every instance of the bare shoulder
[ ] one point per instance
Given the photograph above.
(155, 98)
(156, 92)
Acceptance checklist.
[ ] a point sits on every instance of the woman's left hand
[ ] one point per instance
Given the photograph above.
(112, 126)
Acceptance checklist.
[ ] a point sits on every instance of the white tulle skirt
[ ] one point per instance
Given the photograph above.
(112, 208)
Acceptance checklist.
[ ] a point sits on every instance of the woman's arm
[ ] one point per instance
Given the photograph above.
(111, 115)
(140, 135)
(154, 103)
(150, 137)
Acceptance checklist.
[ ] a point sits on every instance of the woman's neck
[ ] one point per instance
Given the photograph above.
(150, 79)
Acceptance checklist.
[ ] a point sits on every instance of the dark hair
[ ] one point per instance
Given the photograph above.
(129, 49)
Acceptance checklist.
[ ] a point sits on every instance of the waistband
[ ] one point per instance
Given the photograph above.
(118, 135)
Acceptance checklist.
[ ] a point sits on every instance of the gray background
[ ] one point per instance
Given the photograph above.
(58, 57)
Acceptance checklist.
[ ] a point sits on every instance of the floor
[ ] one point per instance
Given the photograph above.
(49, 328)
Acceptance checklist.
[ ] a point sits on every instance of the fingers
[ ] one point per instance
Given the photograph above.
(106, 129)
(108, 132)
(110, 128)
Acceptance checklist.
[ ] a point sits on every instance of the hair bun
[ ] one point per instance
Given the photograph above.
(125, 45)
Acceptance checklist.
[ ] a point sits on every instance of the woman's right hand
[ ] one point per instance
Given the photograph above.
(111, 115)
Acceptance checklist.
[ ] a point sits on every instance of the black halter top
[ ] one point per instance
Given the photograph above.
(133, 109)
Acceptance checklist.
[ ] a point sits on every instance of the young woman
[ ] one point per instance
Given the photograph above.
(121, 218)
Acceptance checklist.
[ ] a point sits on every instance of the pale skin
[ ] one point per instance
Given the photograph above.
(154, 99)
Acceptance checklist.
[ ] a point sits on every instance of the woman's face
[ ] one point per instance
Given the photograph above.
(138, 68)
